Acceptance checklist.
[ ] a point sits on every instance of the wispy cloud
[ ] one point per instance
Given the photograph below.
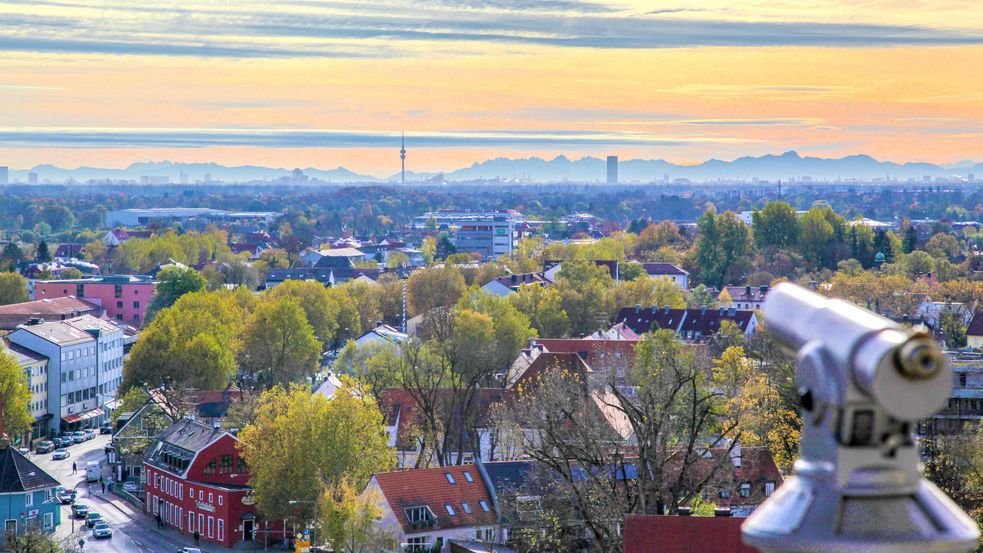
(322, 138)
(343, 29)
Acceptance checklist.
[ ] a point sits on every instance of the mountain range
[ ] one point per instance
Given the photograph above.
(787, 166)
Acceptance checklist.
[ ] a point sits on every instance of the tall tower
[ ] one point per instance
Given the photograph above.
(402, 157)
(612, 169)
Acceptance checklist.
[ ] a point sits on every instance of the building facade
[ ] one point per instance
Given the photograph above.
(491, 233)
(85, 367)
(195, 479)
(35, 367)
(47, 310)
(124, 298)
(25, 495)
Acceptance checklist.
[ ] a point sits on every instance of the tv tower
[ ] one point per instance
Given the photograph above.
(402, 157)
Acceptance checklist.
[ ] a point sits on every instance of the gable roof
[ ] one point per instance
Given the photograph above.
(183, 440)
(431, 488)
(661, 268)
(401, 410)
(18, 474)
(549, 361)
(747, 293)
(595, 352)
(514, 281)
(643, 320)
(703, 322)
(976, 325)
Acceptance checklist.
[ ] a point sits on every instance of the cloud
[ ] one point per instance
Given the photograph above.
(321, 138)
(354, 29)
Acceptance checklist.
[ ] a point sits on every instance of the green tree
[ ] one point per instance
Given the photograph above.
(943, 246)
(815, 237)
(172, 283)
(543, 306)
(583, 291)
(10, 257)
(776, 225)
(724, 239)
(320, 307)
(510, 327)
(701, 296)
(13, 288)
(302, 444)
(42, 255)
(432, 287)
(16, 396)
(350, 520)
(953, 328)
(193, 343)
(445, 247)
(279, 343)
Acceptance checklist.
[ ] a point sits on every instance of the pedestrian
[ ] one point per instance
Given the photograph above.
(103, 486)
(197, 537)
(157, 518)
(74, 468)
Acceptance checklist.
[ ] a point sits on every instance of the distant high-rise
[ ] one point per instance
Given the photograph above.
(4, 174)
(612, 169)
(402, 158)
(32, 178)
(971, 177)
(208, 178)
(183, 177)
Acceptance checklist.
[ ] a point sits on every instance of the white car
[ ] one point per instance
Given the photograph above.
(189, 550)
(130, 486)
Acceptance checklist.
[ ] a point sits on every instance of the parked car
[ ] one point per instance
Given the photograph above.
(64, 497)
(130, 486)
(102, 530)
(47, 446)
(92, 518)
(78, 437)
(89, 433)
(25, 451)
(189, 550)
(106, 429)
(57, 442)
(60, 453)
(80, 510)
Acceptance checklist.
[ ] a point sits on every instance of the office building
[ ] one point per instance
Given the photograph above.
(32, 178)
(491, 233)
(124, 298)
(612, 169)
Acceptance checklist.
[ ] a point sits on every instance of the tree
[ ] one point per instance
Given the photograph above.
(543, 306)
(724, 299)
(943, 246)
(33, 540)
(776, 225)
(445, 247)
(193, 343)
(302, 444)
(42, 255)
(655, 237)
(13, 288)
(434, 287)
(10, 257)
(279, 343)
(724, 239)
(16, 396)
(320, 308)
(583, 291)
(953, 328)
(350, 520)
(700, 296)
(172, 283)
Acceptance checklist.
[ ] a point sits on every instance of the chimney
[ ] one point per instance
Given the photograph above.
(515, 278)
(684, 511)
(638, 308)
(747, 290)
(703, 310)
(667, 310)
(721, 512)
(722, 311)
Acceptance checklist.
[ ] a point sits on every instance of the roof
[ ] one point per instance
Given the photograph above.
(549, 361)
(595, 352)
(400, 409)
(702, 321)
(18, 474)
(183, 440)
(68, 305)
(59, 333)
(24, 356)
(643, 320)
(513, 476)
(705, 322)
(683, 534)
(516, 280)
(109, 279)
(342, 252)
(662, 268)
(68, 250)
(386, 332)
(976, 325)
(88, 322)
(747, 293)
(431, 488)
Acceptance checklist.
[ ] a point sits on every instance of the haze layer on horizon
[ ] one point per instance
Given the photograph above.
(329, 83)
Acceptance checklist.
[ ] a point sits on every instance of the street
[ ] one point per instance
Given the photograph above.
(132, 530)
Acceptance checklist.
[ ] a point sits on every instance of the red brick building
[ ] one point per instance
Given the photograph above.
(195, 480)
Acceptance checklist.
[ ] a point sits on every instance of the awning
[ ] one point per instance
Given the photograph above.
(91, 414)
(111, 405)
(71, 419)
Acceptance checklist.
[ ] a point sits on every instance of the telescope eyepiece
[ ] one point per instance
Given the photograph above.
(918, 359)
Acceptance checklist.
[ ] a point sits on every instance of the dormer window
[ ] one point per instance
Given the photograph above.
(420, 517)
(450, 478)
(450, 509)
(468, 477)
(466, 508)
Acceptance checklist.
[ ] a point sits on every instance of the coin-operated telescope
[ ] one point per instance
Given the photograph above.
(864, 381)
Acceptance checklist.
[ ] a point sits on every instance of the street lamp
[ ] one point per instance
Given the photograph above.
(314, 530)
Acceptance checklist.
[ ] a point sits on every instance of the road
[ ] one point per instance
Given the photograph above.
(132, 531)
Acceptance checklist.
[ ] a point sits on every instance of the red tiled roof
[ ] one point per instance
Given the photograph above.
(675, 534)
(431, 488)
(596, 353)
(399, 406)
(549, 361)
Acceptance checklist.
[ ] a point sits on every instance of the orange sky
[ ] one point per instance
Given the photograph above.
(835, 79)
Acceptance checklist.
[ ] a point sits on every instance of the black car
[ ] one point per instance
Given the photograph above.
(47, 446)
(106, 429)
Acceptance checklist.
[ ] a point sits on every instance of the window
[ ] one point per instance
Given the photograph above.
(725, 494)
(466, 507)
(468, 477)
(191, 521)
(745, 490)
(180, 491)
(962, 379)
(221, 529)
(483, 504)
(211, 526)
(119, 316)
(191, 492)
(225, 464)
(210, 467)
(769, 488)
(201, 495)
(450, 509)
(210, 498)
(220, 499)
(450, 478)
(49, 520)
(119, 304)
(243, 468)
(136, 304)
(29, 499)
(201, 524)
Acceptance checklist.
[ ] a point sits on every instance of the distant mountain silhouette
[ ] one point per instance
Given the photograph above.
(787, 166)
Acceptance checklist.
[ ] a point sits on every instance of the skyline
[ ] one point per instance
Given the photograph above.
(325, 84)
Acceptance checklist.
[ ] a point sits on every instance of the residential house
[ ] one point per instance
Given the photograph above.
(382, 333)
(122, 297)
(47, 310)
(117, 236)
(68, 250)
(503, 286)
(26, 493)
(334, 257)
(974, 332)
(553, 267)
(85, 367)
(136, 431)
(195, 479)
(692, 325)
(667, 270)
(35, 367)
(211, 406)
(746, 297)
(426, 508)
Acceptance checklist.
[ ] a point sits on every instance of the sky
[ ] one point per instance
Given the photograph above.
(333, 83)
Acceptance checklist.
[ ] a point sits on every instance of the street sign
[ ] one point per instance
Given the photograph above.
(302, 546)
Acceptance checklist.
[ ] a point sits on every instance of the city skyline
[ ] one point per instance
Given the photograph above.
(330, 84)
